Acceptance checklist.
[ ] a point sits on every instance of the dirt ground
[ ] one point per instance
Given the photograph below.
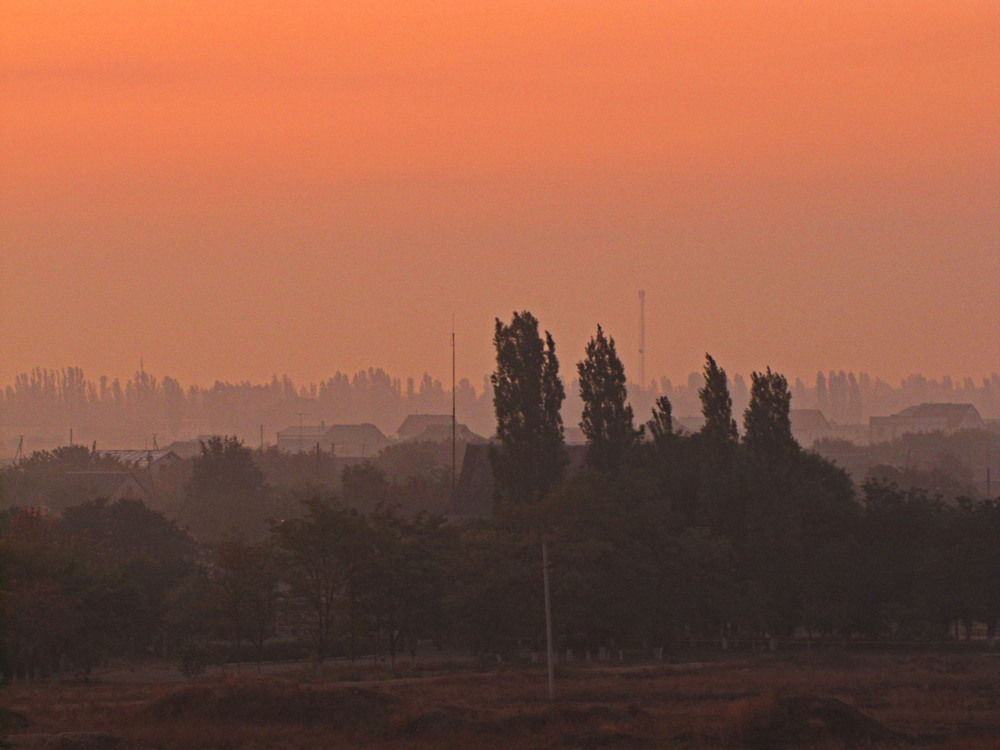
(830, 700)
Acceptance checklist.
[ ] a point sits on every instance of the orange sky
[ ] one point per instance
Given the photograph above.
(234, 189)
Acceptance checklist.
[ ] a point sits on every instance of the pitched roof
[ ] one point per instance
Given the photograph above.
(951, 414)
(366, 432)
(112, 485)
(414, 424)
(441, 433)
(808, 420)
(141, 458)
(307, 431)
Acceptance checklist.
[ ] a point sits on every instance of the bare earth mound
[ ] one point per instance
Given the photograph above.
(805, 719)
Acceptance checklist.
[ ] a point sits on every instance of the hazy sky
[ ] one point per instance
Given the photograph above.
(234, 189)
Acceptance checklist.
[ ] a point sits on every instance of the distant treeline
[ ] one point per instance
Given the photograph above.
(45, 404)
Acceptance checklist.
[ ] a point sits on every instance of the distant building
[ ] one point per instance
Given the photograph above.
(112, 485)
(946, 418)
(688, 425)
(343, 440)
(414, 424)
(441, 433)
(303, 438)
(188, 448)
(808, 426)
(146, 460)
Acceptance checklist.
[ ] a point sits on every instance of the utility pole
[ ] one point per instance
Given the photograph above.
(454, 418)
(548, 620)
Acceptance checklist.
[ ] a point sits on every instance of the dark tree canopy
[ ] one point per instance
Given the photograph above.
(607, 416)
(767, 423)
(717, 405)
(527, 397)
(227, 493)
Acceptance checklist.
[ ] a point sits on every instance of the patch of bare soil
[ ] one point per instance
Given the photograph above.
(343, 708)
(805, 719)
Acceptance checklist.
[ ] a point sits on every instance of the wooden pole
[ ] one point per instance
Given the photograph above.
(548, 620)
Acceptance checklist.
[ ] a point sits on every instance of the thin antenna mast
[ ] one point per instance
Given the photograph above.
(454, 419)
(642, 338)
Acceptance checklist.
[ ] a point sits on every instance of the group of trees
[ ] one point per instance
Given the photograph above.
(715, 535)
(660, 538)
(88, 584)
(118, 581)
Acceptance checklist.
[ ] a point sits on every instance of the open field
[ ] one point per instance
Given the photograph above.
(830, 700)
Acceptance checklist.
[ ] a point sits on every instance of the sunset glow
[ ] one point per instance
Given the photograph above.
(231, 190)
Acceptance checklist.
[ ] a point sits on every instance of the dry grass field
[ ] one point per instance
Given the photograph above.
(829, 700)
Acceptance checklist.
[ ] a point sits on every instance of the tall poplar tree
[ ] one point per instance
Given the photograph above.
(527, 398)
(607, 416)
(767, 421)
(717, 406)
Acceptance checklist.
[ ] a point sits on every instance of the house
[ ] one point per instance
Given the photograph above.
(303, 438)
(112, 485)
(188, 448)
(942, 417)
(343, 440)
(688, 425)
(146, 460)
(441, 433)
(808, 426)
(414, 424)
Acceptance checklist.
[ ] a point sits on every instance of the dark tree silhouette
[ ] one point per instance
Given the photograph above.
(717, 406)
(767, 424)
(527, 397)
(607, 416)
(227, 493)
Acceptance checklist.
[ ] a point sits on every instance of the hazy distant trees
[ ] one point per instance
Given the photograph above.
(43, 405)
(607, 416)
(527, 398)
